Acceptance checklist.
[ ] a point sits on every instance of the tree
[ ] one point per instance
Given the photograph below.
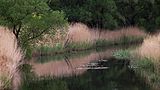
(29, 19)
(140, 13)
(111, 14)
(95, 13)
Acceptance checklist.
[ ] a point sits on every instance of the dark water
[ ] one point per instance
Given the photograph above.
(94, 70)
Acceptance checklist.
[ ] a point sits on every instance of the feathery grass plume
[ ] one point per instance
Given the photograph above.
(151, 47)
(79, 32)
(116, 34)
(10, 57)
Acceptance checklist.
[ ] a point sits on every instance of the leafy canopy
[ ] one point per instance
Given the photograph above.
(29, 19)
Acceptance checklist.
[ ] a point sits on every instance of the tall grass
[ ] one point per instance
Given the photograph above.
(151, 47)
(116, 34)
(10, 58)
(79, 32)
(80, 37)
(144, 67)
(146, 60)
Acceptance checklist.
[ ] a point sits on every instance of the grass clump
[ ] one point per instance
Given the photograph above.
(122, 54)
(145, 68)
(79, 46)
(10, 58)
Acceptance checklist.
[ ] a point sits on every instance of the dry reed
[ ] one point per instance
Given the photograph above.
(80, 33)
(116, 34)
(10, 57)
(151, 47)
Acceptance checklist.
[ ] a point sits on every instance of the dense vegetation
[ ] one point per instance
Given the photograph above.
(27, 25)
(111, 13)
(29, 19)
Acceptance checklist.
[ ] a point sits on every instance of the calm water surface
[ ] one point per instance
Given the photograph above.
(91, 70)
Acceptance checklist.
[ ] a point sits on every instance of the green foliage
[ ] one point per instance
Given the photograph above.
(47, 49)
(144, 64)
(122, 54)
(29, 19)
(111, 13)
(145, 68)
(158, 21)
(79, 46)
(86, 11)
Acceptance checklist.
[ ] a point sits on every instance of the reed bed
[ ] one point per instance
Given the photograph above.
(79, 32)
(10, 58)
(145, 60)
(78, 36)
(151, 47)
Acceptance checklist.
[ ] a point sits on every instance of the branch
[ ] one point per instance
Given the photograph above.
(33, 37)
(18, 30)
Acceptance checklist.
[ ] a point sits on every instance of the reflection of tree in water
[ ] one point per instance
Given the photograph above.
(66, 58)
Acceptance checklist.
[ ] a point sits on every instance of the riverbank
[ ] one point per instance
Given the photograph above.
(145, 60)
(79, 37)
(75, 47)
(143, 67)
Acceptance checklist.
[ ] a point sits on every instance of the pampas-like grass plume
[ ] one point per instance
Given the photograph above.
(151, 47)
(10, 57)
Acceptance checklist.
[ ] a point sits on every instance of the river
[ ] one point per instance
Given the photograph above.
(85, 70)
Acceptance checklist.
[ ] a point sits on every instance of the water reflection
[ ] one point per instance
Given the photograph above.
(69, 66)
(95, 70)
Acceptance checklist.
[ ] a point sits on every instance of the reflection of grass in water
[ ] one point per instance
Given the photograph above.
(117, 76)
(31, 82)
(45, 84)
(44, 59)
(143, 67)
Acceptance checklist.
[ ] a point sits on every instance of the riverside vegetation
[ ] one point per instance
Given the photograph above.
(11, 57)
(79, 37)
(36, 28)
(145, 60)
(145, 64)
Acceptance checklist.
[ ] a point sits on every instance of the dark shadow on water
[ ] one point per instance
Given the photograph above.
(118, 76)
